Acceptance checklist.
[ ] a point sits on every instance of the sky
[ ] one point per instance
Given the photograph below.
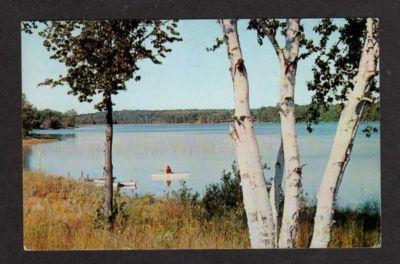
(188, 78)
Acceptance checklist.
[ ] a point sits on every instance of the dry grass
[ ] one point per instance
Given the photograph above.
(61, 213)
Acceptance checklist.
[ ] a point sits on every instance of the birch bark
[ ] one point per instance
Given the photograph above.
(344, 138)
(288, 67)
(253, 182)
(247, 183)
(288, 58)
(276, 187)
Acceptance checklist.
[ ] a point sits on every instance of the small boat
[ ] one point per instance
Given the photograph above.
(175, 176)
(103, 178)
(127, 185)
(95, 179)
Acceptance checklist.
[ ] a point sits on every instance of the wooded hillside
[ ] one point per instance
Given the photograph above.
(263, 114)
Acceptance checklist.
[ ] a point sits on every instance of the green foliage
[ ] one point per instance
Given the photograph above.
(69, 118)
(185, 194)
(225, 196)
(268, 28)
(29, 116)
(118, 217)
(368, 130)
(265, 27)
(336, 65)
(218, 43)
(51, 123)
(367, 214)
(32, 118)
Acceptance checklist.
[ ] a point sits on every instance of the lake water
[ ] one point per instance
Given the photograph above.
(204, 150)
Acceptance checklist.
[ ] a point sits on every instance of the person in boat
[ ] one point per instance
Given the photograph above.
(168, 171)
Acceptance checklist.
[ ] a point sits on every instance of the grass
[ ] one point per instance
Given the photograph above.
(61, 213)
(353, 227)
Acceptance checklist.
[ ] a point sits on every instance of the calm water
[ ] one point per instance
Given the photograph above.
(204, 150)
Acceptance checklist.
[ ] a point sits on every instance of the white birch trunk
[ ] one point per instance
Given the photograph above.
(276, 187)
(253, 182)
(344, 138)
(288, 64)
(249, 195)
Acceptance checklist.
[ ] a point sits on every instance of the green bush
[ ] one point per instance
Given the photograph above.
(226, 196)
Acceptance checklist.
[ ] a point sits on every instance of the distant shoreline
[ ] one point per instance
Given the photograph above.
(196, 124)
(268, 114)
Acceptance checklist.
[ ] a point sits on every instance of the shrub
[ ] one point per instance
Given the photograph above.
(226, 196)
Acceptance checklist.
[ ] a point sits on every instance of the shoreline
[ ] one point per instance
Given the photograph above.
(26, 142)
(177, 124)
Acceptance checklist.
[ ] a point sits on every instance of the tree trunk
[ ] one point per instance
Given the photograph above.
(249, 195)
(253, 183)
(276, 187)
(344, 138)
(108, 168)
(288, 63)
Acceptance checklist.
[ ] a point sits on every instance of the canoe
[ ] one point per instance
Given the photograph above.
(170, 176)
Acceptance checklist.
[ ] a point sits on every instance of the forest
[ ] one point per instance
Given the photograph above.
(200, 116)
(33, 118)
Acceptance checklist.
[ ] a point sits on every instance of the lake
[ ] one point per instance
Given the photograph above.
(205, 150)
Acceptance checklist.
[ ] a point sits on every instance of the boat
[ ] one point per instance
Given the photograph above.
(175, 176)
(127, 185)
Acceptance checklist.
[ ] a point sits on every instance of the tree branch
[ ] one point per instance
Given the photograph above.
(271, 37)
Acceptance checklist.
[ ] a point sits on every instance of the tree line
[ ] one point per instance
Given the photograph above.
(201, 116)
(33, 118)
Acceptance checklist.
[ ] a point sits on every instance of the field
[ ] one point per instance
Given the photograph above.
(61, 213)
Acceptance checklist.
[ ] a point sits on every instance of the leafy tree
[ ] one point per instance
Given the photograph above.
(29, 116)
(336, 67)
(100, 57)
(68, 119)
(51, 123)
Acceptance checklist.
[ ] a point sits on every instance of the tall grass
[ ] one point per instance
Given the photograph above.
(61, 213)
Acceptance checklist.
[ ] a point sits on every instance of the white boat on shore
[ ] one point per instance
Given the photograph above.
(124, 185)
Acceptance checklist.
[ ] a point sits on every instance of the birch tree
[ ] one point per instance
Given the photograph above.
(350, 64)
(100, 57)
(255, 194)
(288, 58)
(276, 188)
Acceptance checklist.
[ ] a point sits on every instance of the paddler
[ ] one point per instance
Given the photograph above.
(168, 171)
